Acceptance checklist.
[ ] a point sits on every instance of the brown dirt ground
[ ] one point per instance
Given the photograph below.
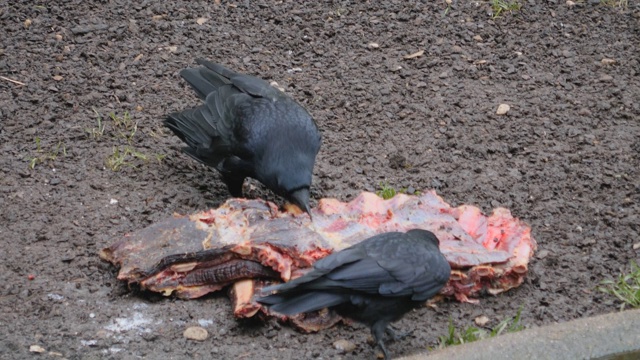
(566, 158)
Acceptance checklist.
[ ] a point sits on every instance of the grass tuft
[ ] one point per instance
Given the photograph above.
(626, 288)
(97, 132)
(124, 157)
(129, 157)
(615, 3)
(472, 333)
(43, 156)
(387, 191)
(448, 8)
(125, 125)
(119, 128)
(500, 6)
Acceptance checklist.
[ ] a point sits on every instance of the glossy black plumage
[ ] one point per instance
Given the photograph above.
(248, 128)
(374, 282)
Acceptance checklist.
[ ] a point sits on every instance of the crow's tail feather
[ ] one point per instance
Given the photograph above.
(203, 80)
(191, 127)
(302, 303)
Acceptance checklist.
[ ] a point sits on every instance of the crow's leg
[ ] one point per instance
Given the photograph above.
(395, 336)
(377, 330)
(234, 184)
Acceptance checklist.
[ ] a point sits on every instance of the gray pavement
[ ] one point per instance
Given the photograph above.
(589, 338)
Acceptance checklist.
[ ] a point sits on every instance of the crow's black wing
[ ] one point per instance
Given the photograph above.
(418, 266)
(418, 271)
(390, 265)
(351, 269)
(320, 268)
(210, 130)
(297, 296)
(203, 81)
(217, 68)
(246, 83)
(395, 264)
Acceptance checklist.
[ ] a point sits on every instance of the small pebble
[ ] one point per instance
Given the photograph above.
(196, 333)
(606, 61)
(584, 112)
(414, 55)
(36, 349)
(481, 320)
(605, 78)
(345, 346)
(542, 254)
(503, 109)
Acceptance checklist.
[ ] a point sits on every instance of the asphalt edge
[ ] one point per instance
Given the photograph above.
(587, 338)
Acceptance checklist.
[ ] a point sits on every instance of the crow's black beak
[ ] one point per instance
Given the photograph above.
(300, 198)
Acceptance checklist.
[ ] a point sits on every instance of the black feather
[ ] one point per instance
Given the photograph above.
(374, 282)
(247, 128)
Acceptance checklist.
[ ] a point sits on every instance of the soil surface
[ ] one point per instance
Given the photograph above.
(565, 158)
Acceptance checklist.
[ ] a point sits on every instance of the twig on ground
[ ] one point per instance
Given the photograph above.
(13, 81)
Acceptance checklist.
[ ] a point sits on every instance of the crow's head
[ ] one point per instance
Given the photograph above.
(300, 198)
(286, 165)
(289, 175)
(294, 187)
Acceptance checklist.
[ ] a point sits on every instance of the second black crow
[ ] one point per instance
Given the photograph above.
(374, 282)
(248, 128)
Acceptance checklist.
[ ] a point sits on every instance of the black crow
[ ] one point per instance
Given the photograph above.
(248, 128)
(374, 282)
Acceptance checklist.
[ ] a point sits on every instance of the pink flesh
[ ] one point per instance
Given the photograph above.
(486, 253)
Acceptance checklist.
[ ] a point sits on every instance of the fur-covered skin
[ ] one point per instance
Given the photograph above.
(248, 128)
